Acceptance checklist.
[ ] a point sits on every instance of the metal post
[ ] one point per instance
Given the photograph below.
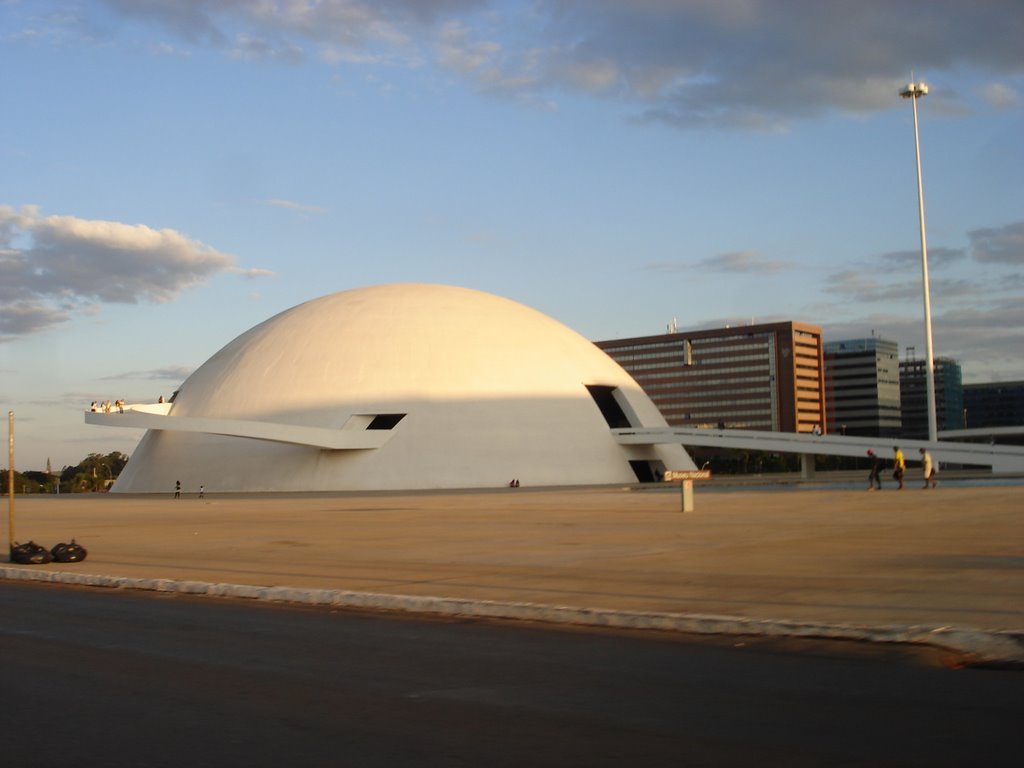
(914, 91)
(10, 479)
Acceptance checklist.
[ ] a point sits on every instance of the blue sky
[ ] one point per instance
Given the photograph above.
(173, 172)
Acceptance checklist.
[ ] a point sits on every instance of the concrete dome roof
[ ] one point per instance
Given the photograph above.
(472, 389)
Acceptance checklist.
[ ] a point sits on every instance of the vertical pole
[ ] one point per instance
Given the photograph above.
(687, 493)
(929, 360)
(807, 466)
(10, 478)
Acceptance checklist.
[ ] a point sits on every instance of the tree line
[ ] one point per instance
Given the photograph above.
(96, 472)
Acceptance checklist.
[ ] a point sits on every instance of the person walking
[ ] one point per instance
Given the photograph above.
(177, 489)
(928, 469)
(899, 466)
(202, 490)
(874, 479)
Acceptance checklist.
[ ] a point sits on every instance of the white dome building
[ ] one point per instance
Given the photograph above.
(398, 387)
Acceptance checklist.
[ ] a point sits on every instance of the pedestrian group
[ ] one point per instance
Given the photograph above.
(929, 468)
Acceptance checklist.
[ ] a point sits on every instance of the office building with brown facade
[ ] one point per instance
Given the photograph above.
(768, 376)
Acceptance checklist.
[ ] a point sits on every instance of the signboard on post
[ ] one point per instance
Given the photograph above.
(688, 474)
(686, 478)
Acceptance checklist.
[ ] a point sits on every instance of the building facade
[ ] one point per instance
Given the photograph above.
(949, 396)
(996, 404)
(765, 377)
(862, 387)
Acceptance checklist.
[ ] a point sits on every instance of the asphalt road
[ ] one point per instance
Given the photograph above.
(97, 677)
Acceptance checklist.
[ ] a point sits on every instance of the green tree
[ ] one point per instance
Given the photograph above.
(96, 472)
(22, 483)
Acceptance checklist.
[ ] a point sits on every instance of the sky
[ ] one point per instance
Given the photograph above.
(173, 172)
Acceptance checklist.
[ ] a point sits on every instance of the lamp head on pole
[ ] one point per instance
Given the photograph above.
(914, 90)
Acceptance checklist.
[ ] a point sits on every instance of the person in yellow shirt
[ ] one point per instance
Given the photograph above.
(899, 466)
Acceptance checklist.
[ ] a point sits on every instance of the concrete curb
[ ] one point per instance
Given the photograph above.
(977, 647)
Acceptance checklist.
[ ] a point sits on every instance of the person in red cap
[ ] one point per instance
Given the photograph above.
(876, 467)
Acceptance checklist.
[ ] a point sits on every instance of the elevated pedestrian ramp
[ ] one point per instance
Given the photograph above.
(1001, 458)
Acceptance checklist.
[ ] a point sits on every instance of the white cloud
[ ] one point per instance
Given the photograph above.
(871, 287)
(486, 62)
(251, 47)
(174, 373)
(291, 205)
(986, 341)
(1000, 96)
(746, 262)
(937, 257)
(1003, 245)
(51, 266)
(456, 51)
(748, 64)
(596, 75)
(736, 262)
(18, 318)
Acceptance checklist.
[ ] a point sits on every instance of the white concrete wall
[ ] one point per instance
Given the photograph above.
(492, 390)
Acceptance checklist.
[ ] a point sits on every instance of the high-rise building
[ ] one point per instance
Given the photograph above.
(862, 387)
(949, 396)
(996, 404)
(768, 376)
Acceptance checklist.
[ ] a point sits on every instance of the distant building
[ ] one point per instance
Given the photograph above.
(766, 377)
(997, 404)
(862, 387)
(949, 396)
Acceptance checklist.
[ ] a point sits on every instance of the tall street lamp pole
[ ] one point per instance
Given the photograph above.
(914, 91)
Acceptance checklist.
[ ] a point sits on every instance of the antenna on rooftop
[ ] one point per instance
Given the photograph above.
(673, 327)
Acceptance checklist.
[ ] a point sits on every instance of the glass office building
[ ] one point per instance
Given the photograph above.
(862, 387)
(949, 396)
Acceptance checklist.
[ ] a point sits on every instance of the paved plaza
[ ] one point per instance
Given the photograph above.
(951, 556)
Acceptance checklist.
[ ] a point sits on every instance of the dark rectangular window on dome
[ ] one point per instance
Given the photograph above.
(645, 473)
(385, 421)
(604, 397)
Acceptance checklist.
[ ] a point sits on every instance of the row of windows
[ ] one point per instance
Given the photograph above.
(709, 413)
(704, 363)
(857, 394)
(800, 339)
(762, 354)
(715, 405)
(658, 380)
(731, 424)
(854, 376)
(706, 357)
(726, 343)
(702, 341)
(731, 384)
(713, 375)
(660, 351)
